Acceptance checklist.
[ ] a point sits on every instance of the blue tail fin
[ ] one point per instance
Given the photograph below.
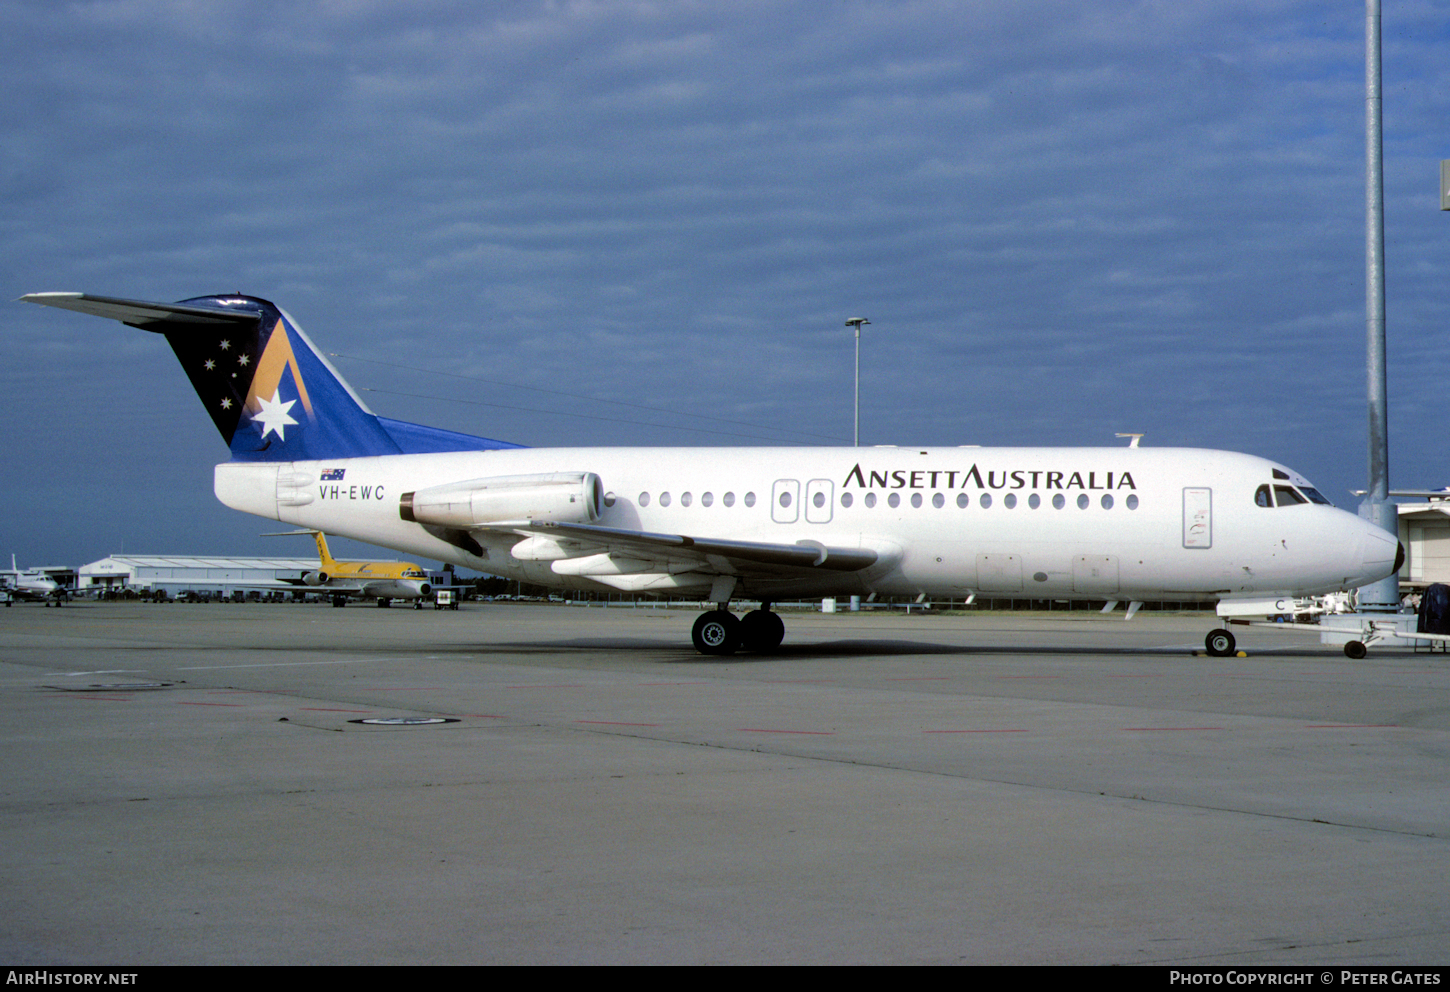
(267, 388)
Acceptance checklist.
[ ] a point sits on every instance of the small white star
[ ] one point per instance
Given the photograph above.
(245, 360)
(273, 416)
(226, 403)
(209, 364)
(225, 344)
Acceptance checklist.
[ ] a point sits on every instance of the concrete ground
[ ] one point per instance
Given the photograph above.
(189, 784)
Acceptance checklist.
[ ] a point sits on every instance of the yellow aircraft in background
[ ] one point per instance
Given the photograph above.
(383, 581)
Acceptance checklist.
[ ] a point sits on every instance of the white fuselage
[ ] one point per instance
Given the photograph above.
(1086, 523)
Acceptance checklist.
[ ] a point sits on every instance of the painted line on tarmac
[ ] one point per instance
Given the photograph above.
(280, 664)
(619, 723)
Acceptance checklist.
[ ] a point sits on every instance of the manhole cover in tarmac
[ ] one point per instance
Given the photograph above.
(112, 687)
(404, 721)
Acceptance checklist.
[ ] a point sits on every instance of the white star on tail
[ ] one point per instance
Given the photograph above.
(273, 416)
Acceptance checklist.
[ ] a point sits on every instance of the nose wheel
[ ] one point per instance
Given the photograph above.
(1220, 643)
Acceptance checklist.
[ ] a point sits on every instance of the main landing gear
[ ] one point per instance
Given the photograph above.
(721, 632)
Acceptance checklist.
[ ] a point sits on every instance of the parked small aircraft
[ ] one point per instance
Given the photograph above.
(32, 584)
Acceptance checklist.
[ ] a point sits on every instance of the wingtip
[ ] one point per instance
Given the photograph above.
(48, 297)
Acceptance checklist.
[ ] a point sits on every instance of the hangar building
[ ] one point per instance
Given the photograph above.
(177, 573)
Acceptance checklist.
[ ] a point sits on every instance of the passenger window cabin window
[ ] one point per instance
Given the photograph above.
(1262, 497)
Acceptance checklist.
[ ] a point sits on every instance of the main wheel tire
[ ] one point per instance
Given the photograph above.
(1220, 643)
(716, 632)
(761, 630)
(1355, 650)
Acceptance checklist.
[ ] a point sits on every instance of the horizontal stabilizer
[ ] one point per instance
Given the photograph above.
(141, 313)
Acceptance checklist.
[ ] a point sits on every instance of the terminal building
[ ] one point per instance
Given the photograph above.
(1425, 534)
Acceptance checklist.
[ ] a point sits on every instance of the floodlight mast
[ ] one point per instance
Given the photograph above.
(856, 322)
(1384, 595)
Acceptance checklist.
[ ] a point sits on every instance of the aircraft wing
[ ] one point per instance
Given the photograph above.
(140, 313)
(720, 556)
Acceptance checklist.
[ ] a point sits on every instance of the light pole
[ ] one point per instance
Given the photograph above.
(856, 322)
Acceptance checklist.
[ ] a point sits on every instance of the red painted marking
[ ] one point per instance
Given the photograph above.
(1031, 676)
(918, 678)
(1172, 728)
(974, 731)
(616, 723)
(1158, 676)
(762, 730)
(562, 685)
(675, 683)
(414, 688)
(185, 703)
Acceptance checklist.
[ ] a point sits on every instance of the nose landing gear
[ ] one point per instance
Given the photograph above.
(1220, 643)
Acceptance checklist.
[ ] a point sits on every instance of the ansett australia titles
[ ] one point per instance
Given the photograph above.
(991, 479)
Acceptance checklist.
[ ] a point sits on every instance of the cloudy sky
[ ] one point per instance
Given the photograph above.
(646, 223)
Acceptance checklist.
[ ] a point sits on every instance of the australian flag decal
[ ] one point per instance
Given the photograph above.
(333, 474)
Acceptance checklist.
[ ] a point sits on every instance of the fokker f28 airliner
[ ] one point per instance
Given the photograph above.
(1117, 524)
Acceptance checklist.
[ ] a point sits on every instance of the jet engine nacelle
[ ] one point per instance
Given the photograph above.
(571, 497)
(315, 578)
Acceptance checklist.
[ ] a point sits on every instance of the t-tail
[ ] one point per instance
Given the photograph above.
(323, 555)
(269, 391)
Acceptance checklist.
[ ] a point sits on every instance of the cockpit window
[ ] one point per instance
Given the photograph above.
(1288, 495)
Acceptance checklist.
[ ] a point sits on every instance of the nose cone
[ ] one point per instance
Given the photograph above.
(1381, 555)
